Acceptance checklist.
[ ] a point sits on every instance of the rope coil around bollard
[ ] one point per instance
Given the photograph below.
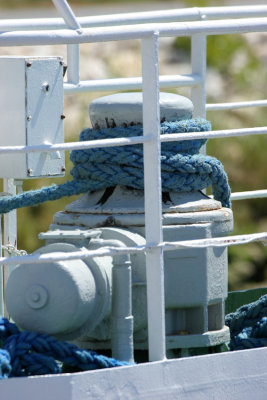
(30, 353)
(182, 168)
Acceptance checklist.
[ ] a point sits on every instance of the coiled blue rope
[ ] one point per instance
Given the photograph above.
(183, 169)
(248, 325)
(29, 353)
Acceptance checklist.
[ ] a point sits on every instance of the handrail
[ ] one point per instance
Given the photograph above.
(188, 14)
(107, 34)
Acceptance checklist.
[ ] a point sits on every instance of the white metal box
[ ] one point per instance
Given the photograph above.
(31, 113)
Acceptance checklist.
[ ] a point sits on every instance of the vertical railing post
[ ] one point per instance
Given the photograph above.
(1, 273)
(153, 202)
(73, 50)
(198, 63)
(10, 232)
(73, 63)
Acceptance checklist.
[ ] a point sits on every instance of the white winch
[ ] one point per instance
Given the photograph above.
(100, 302)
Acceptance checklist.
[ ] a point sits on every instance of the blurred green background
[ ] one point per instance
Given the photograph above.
(236, 72)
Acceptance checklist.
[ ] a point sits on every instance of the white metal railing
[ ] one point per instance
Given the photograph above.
(148, 27)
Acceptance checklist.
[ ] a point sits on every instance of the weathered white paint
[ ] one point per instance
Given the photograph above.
(132, 140)
(224, 241)
(198, 63)
(205, 373)
(233, 375)
(175, 15)
(236, 105)
(122, 109)
(67, 13)
(107, 34)
(153, 202)
(9, 233)
(31, 101)
(165, 81)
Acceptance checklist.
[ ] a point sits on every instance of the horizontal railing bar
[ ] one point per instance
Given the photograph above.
(234, 105)
(251, 194)
(129, 32)
(213, 134)
(89, 144)
(173, 137)
(189, 14)
(112, 251)
(130, 83)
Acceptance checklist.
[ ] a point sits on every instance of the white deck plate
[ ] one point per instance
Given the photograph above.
(232, 376)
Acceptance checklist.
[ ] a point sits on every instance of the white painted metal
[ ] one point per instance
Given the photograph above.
(122, 318)
(124, 109)
(153, 202)
(106, 34)
(9, 232)
(67, 14)
(31, 101)
(154, 246)
(231, 375)
(252, 194)
(2, 307)
(225, 241)
(130, 83)
(73, 63)
(187, 14)
(73, 51)
(132, 140)
(198, 63)
(235, 105)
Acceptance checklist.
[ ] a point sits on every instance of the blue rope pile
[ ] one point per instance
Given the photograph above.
(183, 169)
(29, 353)
(248, 325)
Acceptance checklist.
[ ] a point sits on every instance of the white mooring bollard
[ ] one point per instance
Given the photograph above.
(78, 300)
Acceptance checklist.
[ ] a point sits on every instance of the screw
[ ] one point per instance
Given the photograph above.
(29, 64)
(45, 87)
(63, 169)
(29, 117)
(62, 116)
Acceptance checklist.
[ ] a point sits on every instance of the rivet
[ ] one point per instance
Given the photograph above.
(29, 117)
(62, 116)
(61, 62)
(63, 169)
(29, 171)
(29, 64)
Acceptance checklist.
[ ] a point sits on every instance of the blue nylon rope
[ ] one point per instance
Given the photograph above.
(248, 325)
(30, 353)
(183, 169)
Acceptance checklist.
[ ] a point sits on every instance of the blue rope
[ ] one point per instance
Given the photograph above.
(29, 353)
(183, 169)
(248, 325)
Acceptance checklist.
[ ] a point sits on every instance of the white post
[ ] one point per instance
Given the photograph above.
(10, 231)
(73, 63)
(73, 50)
(67, 14)
(198, 61)
(153, 202)
(1, 273)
